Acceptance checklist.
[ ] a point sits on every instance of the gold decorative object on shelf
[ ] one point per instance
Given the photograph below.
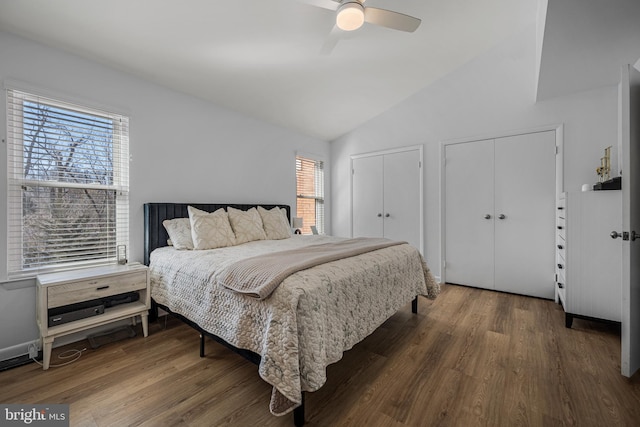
(604, 171)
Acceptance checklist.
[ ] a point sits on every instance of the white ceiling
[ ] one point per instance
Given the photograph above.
(262, 58)
(585, 43)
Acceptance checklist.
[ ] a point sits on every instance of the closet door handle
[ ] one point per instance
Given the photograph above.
(502, 216)
(387, 215)
(487, 216)
(560, 247)
(379, 215)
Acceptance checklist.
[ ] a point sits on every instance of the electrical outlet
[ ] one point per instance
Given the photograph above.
(34, 348)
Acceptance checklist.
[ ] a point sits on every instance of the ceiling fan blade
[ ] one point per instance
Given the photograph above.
(331, 41)
(325, 4)
(389, 19)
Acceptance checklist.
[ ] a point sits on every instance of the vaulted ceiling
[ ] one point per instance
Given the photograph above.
(585, 43)
(263, 58)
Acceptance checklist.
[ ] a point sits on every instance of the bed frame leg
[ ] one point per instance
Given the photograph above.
(153, 311)
(201, 345)
(298, 414)
(414, 305)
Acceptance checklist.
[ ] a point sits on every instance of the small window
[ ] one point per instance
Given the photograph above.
(68, 178)
(310, 193)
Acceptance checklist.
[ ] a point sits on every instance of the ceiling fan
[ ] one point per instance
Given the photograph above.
(352, 14)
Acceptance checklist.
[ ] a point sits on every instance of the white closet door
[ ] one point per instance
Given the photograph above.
(402, 197)
(367, 197)
(469, 225)
(525, 185)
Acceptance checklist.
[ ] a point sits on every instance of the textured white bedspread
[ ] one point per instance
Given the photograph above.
(308, 321)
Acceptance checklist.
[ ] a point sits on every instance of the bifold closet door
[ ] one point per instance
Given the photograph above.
(367, 196)
(386, 199)
(525, 185)
(402, 197)
(500, 213)
(469, 225)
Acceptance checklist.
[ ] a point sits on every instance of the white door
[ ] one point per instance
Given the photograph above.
(386, 195)
(402, 197)
(629, 134)
(499, 213)
(469, 224)
(525, 185)
(367, 197)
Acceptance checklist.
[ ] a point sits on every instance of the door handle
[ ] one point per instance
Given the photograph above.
(487, 216)
(502, 216)
(379, 215)
(624, 235)
(387, 215)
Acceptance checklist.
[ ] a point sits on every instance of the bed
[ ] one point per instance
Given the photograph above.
(305, 323)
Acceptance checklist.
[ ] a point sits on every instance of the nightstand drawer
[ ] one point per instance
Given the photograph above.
(95, 288)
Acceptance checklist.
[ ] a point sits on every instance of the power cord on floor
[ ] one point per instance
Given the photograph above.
(72, 354)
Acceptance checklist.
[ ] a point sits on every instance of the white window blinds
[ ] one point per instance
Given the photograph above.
(310, 193)
(68, 178)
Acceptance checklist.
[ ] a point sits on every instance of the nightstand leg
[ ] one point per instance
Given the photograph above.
(47, 344)
(145, 324)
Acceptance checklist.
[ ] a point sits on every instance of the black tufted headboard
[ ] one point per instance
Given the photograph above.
(155, 236)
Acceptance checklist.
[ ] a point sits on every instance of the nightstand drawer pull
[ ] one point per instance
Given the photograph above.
(101, 288)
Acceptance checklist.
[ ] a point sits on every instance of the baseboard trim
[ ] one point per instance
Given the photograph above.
(17, 361)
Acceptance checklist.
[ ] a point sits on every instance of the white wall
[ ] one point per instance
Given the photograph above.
(490, 95)
(183, 149)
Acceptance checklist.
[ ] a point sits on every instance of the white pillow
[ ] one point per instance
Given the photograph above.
(275, 223)
(246, 225)
(210, 230)
(179, 230)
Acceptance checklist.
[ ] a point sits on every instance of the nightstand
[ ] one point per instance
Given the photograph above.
(76, 300)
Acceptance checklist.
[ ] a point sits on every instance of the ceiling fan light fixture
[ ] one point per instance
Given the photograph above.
(350, 16)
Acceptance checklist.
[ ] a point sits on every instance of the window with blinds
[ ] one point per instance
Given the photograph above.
(68, 178)
(310, 193)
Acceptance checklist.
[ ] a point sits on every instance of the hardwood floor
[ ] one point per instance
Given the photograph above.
(470, 358)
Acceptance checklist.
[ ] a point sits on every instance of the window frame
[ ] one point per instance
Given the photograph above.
(16, 96)
(320, 217)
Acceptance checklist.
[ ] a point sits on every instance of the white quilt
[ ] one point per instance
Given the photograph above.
(308, 321)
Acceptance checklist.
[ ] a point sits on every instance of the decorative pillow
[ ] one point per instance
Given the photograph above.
(275, 223)
(246, 225)
(210, 230)
(179, 230)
